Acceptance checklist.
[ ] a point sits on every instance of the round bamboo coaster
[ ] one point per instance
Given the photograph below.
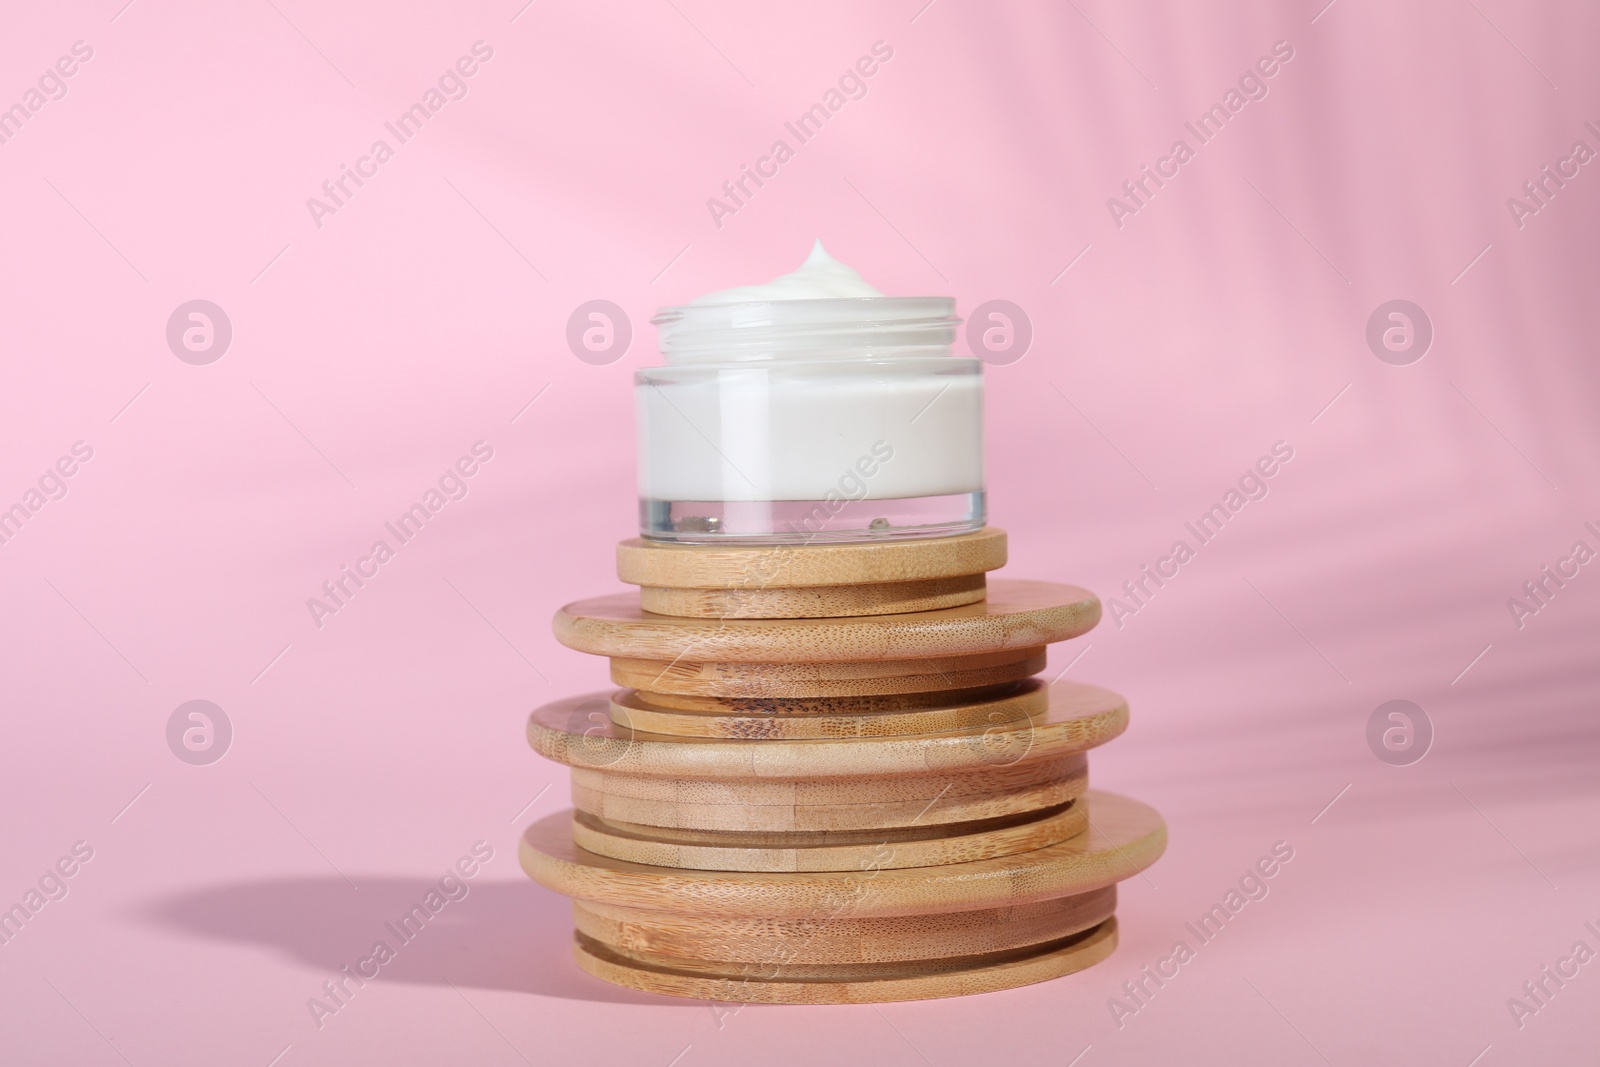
(674, 566)
(842, 939)
(785, 969)
(923, 846)
(1124, 837)
(584, 733)
(972, 779)
(877, 678)
(859, 985)
(815, 602)
(786, 817)
(1016, 615)
(634, 710)
(770, 705)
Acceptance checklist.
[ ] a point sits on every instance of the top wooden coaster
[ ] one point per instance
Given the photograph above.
(674, 566)
(814, 601)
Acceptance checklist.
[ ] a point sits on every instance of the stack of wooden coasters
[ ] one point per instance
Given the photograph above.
(833, 778)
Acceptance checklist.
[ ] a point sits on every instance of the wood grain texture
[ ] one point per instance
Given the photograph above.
(974, 779)
(830, 804)
(837, 939)
(779, 680)
(712, 815)
(833, 778)
(772, 705)
(832, 670)
(1076, 717)
(792, 720)
(722, 851)
(1016, 615)
(943, 978)
(784, 969)
(815, 602)
(1124, 838)
(641, 562)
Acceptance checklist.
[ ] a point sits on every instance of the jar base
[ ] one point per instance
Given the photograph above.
(799, 522)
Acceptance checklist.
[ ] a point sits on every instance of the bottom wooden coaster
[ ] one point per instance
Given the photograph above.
(734, 941)
(860, 984)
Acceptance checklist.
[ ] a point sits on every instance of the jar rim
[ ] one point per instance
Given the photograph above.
(775, 329)
(819, 367)
(856, 310)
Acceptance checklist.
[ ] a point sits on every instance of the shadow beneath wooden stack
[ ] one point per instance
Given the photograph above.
(507, 935)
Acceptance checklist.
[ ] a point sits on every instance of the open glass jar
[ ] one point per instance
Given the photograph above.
(792, 421)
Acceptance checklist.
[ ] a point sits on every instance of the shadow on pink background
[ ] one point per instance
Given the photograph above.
(374, 345)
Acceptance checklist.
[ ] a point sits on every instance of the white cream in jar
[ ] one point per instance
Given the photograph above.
(809, 408)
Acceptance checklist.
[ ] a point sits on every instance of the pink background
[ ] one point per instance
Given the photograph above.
(371, 352)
